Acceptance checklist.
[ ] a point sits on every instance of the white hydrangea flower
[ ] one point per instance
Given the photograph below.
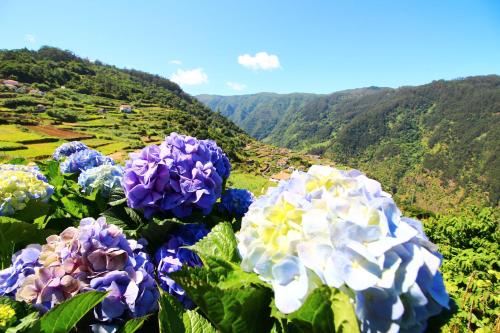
(326, 226)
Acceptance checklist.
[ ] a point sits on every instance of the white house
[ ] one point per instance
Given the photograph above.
(126, 108)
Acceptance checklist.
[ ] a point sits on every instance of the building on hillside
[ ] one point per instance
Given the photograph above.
(40, 108)
(11, 82)
(126, 108)
(35, 92)
(282, 175)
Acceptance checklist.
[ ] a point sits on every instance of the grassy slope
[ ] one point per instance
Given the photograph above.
(83, 99)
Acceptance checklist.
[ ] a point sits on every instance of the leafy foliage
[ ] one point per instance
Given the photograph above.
(325, 310)
(470, 246)
(447, 130)
(66, 315)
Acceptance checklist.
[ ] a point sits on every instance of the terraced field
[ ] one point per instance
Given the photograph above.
(96, 121)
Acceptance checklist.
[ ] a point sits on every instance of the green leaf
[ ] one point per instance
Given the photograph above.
(229, 305)
(25, 323)
(174, 319)
(74, 205)
(21, 308)
(65, 316)
(195, 323)
(343, 312)
(15, 234)
(325, 310)
(219, 243)
(170, 315)
(134, 324)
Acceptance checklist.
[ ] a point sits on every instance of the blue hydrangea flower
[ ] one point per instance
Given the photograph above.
(236, 201)
(417, 291)
(171, 257)
(105, 178)
(177, 176)
(83, 160)
(23, 265)
(67, 149)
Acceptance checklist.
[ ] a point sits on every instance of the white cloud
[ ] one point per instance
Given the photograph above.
(189, 77)
(261, 60)
(236, 86)
(30, 38)
(176, 62)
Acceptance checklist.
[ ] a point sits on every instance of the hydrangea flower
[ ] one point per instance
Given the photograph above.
(83, 160)
(172, 256)
(104, 178)
(218, 158)
(236, 201)
(23, 265)
(31, 168)
(68, 148)
(20, 185)
(338, 228)
(94, 256)
(177, 176)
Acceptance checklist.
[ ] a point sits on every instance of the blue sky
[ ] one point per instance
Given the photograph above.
(303, 46)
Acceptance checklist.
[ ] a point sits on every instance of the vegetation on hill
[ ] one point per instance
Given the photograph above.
(257, 114)
(85, 97)
(440, 139)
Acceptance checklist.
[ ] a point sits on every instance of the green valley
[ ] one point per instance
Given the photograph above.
(434, 146)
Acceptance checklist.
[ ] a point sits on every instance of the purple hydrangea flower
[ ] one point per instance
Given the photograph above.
(177, 176)
(218, 158)
(94, 256)
(172, 256)
(84, 160)
(67, 149)
(236, 201)
(23, 265)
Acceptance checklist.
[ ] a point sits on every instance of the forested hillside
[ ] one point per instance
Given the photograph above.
(258, 114)
(75, 91)
(440, 139)
(56, 96)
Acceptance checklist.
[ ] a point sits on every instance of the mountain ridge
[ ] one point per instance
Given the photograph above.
(445, 130)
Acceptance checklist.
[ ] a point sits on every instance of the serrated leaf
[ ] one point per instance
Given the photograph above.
(66, 315)
(195, 323)
(174, 319)
(25, 323)
(219, 243)
(74, 207)
(15, 234)
(344, 316)
(133, 325)
(232, 307)
(170, 315)
(325, 310)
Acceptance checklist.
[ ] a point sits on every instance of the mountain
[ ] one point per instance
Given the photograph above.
(57, 96)
(441, 139)
(85, 96)
(258, 114)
